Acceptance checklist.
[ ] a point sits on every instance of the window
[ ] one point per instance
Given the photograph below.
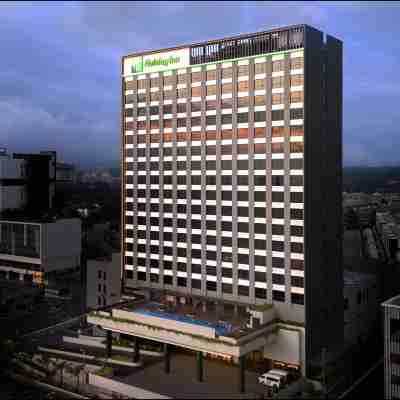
(297, 281)
(297, 298)
(277, 148)
(211, 120)
(196, 106)
(296, 113)
(226, 103)
(226, 73)
(296, 97)
(210, 285)
(226, 288)
(243, 101)
(243, 70)
(226, 119)
(297, 130)
(277, 98)
(277, 115)
(211, 75)
(296, 80)
(196, 76)
(259, 116)
(277, 82)
(277, 213)
(296, 63)
(243, 86)
(277, 180)
(277, 197)
(195, 121)
(141, 276)
(169, 80)
(260, 293)
(242, 118)
(296, 214)
(196, 283)
(296, 163)
(243, 290)
(296, 230)
(211, 104)
(297, 265)
(259, 84)
(211, 90)
(99, 274)
(181, 78)
(278, 296)
(296, 180)
(278, 279)
(258, 100)
(196, 91)
(227, 88)
(296, 197)
(260, 68)
(167, 280)
(278, 65)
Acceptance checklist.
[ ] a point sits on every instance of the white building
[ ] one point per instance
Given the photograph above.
(360, 306)
(103, 281)
(34, 251)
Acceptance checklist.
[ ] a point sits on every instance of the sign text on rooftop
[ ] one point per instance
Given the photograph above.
(157, 62)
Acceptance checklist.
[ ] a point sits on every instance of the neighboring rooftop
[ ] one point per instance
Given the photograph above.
(357, 279)
(393, 302)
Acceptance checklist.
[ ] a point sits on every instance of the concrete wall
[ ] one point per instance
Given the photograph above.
(122, 388)
(359, 318)
(10, 197)
(284, 346)
(61, 244)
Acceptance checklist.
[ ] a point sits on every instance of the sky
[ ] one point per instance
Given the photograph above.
(60, 67)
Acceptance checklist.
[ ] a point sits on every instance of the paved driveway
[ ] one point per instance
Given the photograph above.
(220, 380)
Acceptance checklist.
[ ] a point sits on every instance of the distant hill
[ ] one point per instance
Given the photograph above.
(371, 179)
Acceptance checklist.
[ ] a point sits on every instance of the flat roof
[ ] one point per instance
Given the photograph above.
(214, 41)
(393, 302)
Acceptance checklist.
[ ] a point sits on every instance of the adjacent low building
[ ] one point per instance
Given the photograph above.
(360, 306)
(35, 251)
(391, 319)
(103, 281)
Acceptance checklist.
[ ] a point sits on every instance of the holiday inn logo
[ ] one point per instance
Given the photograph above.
(157, 62)
(162, 61)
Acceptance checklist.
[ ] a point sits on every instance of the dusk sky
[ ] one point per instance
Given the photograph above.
(60, 66)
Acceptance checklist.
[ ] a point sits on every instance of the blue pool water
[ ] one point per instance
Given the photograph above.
(220, 329)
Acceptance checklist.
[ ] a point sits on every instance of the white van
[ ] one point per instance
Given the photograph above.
(272, 380)
(281, 372)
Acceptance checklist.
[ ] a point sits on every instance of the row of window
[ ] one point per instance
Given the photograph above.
(225, 226)
(225, 165)
(243, 243)
(211, 90)
(276, 98)
(226, 180)
(276, 131)
(196, 268)
(277, 213)
(226, 288)
(212, 75)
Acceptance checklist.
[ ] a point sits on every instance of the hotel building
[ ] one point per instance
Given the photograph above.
(232, 166)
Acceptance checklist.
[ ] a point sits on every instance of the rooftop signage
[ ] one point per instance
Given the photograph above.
(157, 62)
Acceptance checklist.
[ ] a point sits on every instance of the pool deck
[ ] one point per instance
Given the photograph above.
(225, 323)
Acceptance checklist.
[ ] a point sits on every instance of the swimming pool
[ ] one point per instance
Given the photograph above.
(220, 329)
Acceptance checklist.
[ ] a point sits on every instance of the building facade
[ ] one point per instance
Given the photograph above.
(103, 281)
(34, 251)
(27, 181)
(232, 166)
(391, 321)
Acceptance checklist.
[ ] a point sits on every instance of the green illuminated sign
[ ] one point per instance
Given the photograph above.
(137, 66)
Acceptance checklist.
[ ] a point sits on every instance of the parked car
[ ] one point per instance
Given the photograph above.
(274, 379)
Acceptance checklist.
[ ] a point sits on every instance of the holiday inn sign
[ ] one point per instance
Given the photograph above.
(157, 62)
